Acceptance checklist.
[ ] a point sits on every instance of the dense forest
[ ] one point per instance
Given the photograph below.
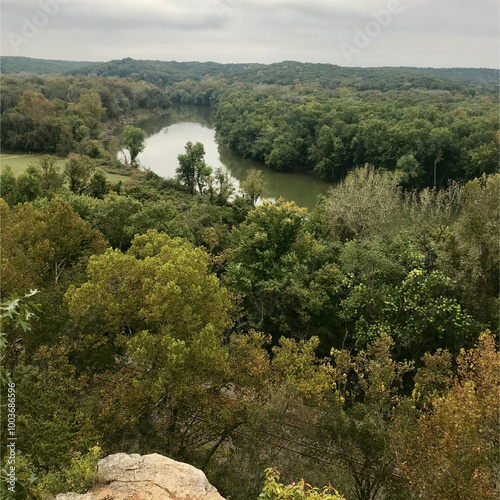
(429, 136)
(354, 344)
(11, 64)
(285, 73)
(430, 133)
(60, 115)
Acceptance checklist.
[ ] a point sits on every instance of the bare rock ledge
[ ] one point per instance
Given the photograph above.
(147, 477)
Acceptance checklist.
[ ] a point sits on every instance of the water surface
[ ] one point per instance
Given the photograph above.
(168, 135)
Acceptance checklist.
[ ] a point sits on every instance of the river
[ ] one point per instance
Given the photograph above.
(167, 135)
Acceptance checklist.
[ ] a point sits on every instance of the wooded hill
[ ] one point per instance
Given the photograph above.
(282, 73)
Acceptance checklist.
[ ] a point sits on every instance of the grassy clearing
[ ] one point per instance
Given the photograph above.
(19, 163)
(115, 177)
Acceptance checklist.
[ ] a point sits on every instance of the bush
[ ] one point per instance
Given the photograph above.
(24, 479)
(274, 490)
(78, 477)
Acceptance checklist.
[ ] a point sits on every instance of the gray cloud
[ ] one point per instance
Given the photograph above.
(425, 33)
(118, 15)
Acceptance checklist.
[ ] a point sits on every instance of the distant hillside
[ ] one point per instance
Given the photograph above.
(284, 73)
(11, 64)
(470, 76)
(165, 73)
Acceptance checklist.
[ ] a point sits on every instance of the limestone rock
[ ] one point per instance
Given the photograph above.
(148, 477)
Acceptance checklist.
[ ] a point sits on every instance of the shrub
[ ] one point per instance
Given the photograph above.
(274, 490)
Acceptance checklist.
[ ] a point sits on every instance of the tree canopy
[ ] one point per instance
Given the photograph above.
(353, 344)
(133, 140)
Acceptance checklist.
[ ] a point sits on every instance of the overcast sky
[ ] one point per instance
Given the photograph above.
(437, 33)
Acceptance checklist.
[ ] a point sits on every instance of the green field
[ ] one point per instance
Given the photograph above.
(19, 162)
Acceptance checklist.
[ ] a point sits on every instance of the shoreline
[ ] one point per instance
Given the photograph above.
(110, 128)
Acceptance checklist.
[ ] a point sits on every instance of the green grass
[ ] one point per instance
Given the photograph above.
(116, 177)
(19, 163)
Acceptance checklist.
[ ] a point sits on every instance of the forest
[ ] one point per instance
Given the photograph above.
(284, 73)
(430, 133)
(354, 345)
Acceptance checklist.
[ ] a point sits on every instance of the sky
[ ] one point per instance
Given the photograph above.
(422, 33)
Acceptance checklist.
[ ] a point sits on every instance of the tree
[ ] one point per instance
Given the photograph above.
(439, 145)
(161, 215)
(329, 153)
(165, 269)
(455, 450)
(51, 178)
(484, 159)
(15, 315)
(79, 170)
(169, 345)
(277, 401)
(420, 310)
(430, 214)
(29, 185)
(38, 245)
(363, 204)
(8, 181)
(276, 266)
(113, 147)
(36, 106)
(225, 186)
(113, 216)
(133, 139)
(471, 252)
(202, 175)
(98, 186)
(370, 142)
(411, 170)
(274, 490)
(55, 427)
(357, 425)
(192, 167)
(429, 313)
(254, 185)
(285, 152)
(89, 109)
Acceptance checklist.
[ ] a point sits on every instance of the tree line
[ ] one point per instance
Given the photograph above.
(429, 137)
(164, 73)
(62, 115)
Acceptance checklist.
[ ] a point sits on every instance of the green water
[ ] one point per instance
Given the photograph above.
(167, 136)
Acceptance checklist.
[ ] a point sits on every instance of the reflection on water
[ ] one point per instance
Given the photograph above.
(167, 136)
(299, 187)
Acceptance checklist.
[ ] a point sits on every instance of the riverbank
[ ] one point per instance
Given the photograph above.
(19, 162)
(112, 128)
(167, 138)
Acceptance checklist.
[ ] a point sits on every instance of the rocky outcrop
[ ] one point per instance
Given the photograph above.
(148, 477)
